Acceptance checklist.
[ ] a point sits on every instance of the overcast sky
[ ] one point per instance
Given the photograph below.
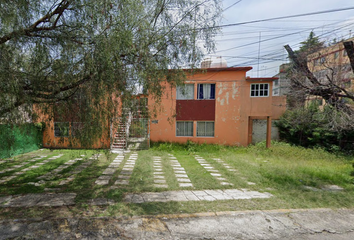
(240, 45)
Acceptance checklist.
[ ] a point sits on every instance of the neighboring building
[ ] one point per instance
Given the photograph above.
(332, 63)
(281, 86)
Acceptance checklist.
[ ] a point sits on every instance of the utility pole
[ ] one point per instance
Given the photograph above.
(259, 52)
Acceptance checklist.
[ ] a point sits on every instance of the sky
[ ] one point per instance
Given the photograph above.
(260, 45)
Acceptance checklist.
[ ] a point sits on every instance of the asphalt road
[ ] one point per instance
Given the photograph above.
(276, 224)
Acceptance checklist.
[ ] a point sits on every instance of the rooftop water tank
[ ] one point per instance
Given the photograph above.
(214, 62)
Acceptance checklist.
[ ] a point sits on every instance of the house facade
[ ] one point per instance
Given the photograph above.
(216, 106)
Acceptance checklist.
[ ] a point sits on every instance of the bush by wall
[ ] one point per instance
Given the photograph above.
(312, 127)
(17, 139)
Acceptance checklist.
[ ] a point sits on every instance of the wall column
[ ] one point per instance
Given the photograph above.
(250, 130)
(269, 131)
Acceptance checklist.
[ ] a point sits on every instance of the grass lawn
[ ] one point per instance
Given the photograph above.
(296, 177)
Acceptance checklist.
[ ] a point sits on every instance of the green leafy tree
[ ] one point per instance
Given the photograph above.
(310, 45)
(83, 52)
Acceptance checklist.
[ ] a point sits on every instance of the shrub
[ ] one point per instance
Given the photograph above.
(312, 127)
(17, 139)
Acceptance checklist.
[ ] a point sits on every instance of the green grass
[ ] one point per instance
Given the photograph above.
(283, 170)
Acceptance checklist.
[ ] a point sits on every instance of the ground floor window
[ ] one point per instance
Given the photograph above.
(184, 129)
(61, 129)
(205, 129)
(76, 128)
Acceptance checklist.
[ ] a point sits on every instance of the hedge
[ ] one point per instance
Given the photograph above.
(17, 139)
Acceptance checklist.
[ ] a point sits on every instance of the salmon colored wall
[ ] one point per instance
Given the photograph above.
(50, 141)
(279, 106)
(256, 107)
(233, 106)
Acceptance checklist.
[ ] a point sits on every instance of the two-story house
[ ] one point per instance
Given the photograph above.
(216, 106)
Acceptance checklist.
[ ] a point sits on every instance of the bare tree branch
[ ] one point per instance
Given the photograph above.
(349, 47)
(301, 66)
(331, 92)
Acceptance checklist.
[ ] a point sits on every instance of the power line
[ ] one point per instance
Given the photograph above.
(232, 5)
(278, 18)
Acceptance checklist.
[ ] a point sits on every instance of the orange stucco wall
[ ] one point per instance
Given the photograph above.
(233, 107)
(50, 141)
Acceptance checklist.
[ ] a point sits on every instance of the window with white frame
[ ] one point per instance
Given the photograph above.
(205, 129)
(185, 92)
(259, 89)
(206, 91)
(184, 129)
(61, 129)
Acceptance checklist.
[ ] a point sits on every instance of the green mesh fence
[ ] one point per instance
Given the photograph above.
(15, 139)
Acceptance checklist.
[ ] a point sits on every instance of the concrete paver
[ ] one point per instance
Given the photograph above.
(40, 200)
(200, 195)
(213, 172)
(180, 173)
(109, 171)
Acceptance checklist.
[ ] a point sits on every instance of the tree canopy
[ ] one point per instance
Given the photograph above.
(310, 45)
(57, 51)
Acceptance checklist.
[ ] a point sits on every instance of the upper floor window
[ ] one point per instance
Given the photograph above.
(185, 92)
(206, 91)
(259, 89)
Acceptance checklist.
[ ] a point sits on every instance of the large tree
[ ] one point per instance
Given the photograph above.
(59, 51)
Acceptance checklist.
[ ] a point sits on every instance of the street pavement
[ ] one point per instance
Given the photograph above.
(312, 224)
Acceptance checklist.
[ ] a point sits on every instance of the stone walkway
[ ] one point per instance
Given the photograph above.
(64, 199)
(127, 171)
(78, 170)
(37, 165)
(110, 170)
(15, 167)
(213, 172)
(180, 173)
(159, 177)
(38, 200)
(200, 195)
